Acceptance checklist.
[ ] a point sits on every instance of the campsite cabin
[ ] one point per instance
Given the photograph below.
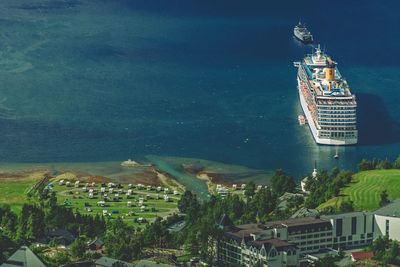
(105, 212)
(129, 203)
(143, 208)
(129, 186)
(103, 190)
(243, 186)
(68, 183)
(259, 187)
(61, 182)
(101, 203)
(175, 192)
(111, 190)
(234, 186)
(166, 190)
(90, 195)
(84, 189)
(93, 184)
(148, 187)
(77, 184)
(166, 198)
(158, 196)
(159, 188)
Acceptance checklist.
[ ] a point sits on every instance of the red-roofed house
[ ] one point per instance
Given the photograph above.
(359, 256)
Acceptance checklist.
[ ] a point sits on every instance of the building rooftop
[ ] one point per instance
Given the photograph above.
(146, 263)
(392, 209)
(244, 231)
(108, 262)
(277, 243)
(23, 257)
(358, 256)
(294, 222)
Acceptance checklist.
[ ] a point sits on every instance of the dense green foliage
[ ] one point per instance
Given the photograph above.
(386, 251)
(366, 165)
(281, 183)
(325, 186)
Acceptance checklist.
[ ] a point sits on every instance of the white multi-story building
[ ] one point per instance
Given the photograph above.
(287, 242)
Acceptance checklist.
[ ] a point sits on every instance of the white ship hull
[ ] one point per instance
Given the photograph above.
(313, 127)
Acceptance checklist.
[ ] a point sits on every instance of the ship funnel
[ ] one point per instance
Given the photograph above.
(329, 71)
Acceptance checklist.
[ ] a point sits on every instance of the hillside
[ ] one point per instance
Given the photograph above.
(366, 187)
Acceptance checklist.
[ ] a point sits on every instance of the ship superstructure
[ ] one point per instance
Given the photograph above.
(326, 99)
(301, 32)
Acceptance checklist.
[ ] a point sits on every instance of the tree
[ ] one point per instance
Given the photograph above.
(384, 165)
(249, 190)
(366, 165)
(384, 198)
(346, 206)
(282, 183)
(396, 163)
(78, 248)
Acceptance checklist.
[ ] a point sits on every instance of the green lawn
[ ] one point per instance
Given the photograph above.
(13, 192)
(366, 187)
(78, 198)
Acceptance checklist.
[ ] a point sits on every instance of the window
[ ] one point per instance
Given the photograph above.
(353, 225)
(350, 237)
(278, 235)
(387, 228)
(339, 225)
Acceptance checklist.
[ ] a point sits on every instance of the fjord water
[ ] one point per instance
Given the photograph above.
(87, 80)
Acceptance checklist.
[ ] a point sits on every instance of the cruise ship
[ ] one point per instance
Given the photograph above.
(326, 99)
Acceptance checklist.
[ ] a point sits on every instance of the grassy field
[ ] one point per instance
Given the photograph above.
(76, 199)
(14, 190)
(365, 189)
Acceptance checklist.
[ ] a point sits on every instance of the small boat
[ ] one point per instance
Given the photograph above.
(301, 32)
(129, 163)
(302, 119)
(337, 153)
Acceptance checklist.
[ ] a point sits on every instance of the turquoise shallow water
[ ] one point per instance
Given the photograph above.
(86, 80)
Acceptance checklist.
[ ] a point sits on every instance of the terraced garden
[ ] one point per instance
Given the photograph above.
(365, 189)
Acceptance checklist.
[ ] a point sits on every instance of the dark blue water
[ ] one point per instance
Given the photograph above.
(85, 80)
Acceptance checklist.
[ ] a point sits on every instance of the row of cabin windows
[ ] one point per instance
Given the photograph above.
(337, 109)
(346, 129)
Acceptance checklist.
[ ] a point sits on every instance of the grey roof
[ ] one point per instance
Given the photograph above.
(145, 263)
(23, 257)
(347, 214)
(108, 262)
(392, 209)
(304, 212)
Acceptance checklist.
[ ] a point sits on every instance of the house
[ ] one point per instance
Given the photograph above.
(359, 256)
(146, 263)
(109, 262)
(63, 237)
(96, 245)
(23, 257)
